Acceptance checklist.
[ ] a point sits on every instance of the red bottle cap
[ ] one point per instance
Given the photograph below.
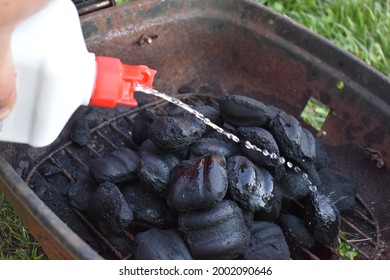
(115, 82)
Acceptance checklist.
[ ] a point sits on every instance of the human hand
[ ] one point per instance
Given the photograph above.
(12, 12)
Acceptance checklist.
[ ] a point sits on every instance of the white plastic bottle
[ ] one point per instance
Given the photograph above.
(55, 74)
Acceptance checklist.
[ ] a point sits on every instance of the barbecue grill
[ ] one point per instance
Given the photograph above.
(210, 48)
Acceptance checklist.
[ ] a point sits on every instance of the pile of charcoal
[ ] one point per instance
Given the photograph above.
(200, 195)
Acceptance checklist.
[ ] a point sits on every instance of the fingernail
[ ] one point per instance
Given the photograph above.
(4, 112)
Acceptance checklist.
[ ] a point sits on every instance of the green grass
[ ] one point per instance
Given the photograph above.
(361, 27)
(15, 240)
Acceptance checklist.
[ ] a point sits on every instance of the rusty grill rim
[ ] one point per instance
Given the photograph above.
(212, 99)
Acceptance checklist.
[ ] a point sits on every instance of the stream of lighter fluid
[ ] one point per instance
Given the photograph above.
(219, 129)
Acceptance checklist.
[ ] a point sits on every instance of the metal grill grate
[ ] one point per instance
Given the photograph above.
(362, 232)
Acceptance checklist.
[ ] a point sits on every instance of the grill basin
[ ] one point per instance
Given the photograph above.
(229, 47)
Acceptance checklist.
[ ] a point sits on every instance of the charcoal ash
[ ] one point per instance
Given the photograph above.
(109, 210)
(296, 232)
(238, 110)
(267, 242)
(198, 183)
(142, 122)
(80, 192)
(156, 168)
(206, 145)
(157, 244)
(322, 218)
(115, 167)
(340, 188)
(171, 133)
(249, 185)
(148, 207)
(215, 233)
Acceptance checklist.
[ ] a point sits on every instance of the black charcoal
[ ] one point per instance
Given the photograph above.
(198, 183)
(296, 232)
(262, 139)
(249, 185)
(206, 145)
(294, 142)
(156, 168)
(157, 244)
(80, 192)
(109, 210)
(338, 187)
(171, 133)
(215, 233)
(238, 110)
(322, 218)
(272, 212)
(294, 185)
(267, 242)
(142, 122)
(118, 166)
(147, 206)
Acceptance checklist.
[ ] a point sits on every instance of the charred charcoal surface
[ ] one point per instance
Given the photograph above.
(109, 209)
(215, 233)
(238, 110)
(142, 122)
(250, 186)
(80, 192)
(117, 166)
(156, 244)
(267, 242)
(147, 206)
(198, 183)
(170, 133)
(322, 218)
(296, 232)
(156, 168)
(206, 145)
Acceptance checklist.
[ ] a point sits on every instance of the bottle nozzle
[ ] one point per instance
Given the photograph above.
(115, 82)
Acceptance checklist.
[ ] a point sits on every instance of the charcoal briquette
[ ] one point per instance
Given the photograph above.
(263, 139)
(157, 244)
(198, 183)
(118, 166)
(294, 185)
(295, 143)
(296, 232)
(80, 192)
(322, 158)
(322, 218)
(170, 133)
(267, 242)
(156, 168)
(249, 185)
(215, 233)
(147, 206)
(109, 210)
(206, 145)
(142, 122)
(239, 110)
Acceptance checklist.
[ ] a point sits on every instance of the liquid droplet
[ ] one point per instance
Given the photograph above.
(297, 169)
(274, 156)
(305, 176)
(282, 160)
(265, 152)
(289, 164)
(313, 188)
